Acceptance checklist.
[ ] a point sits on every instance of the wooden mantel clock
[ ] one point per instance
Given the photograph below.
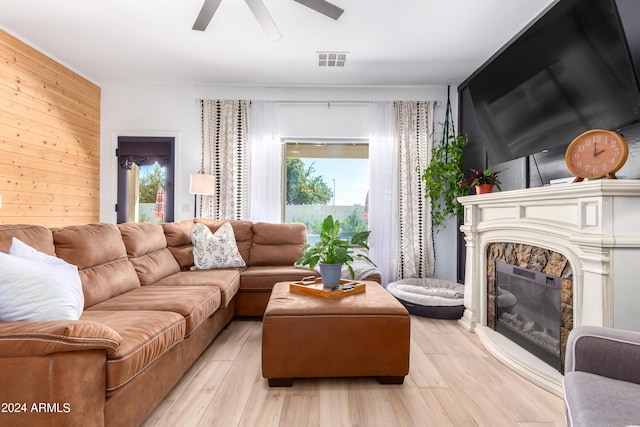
(596, 154)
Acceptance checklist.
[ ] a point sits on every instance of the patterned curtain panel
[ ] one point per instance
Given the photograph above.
(414, 134)
(225, 152)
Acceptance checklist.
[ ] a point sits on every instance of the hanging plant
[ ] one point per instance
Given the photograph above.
(443, 177)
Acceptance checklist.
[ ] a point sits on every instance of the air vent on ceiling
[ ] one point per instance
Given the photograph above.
(332, 59)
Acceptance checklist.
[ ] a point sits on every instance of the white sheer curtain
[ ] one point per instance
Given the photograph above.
(383, 184)
(265, 184)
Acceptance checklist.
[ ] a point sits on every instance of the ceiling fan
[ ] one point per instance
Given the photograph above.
(262, 14)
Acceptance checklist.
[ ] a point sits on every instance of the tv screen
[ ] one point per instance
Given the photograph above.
(569, 72)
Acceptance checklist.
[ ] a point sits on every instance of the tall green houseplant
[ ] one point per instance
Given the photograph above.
(443, 179)
(331, 249)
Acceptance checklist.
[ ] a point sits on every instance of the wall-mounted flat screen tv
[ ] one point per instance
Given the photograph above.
(569, 72)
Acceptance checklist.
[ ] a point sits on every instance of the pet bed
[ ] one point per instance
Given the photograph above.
(436, 298)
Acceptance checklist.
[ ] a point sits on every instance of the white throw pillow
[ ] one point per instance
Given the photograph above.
(35, 286)
(215, 250)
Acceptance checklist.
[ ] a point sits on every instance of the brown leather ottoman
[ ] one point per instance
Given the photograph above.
(305, 336)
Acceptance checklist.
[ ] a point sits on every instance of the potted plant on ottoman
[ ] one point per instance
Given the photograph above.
(483, 180)
(331, 252)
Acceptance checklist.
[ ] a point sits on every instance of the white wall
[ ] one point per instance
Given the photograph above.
(141, 110)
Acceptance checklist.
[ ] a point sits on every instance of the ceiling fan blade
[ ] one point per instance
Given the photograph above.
(206, 13)
(323, 7)
(264, 19)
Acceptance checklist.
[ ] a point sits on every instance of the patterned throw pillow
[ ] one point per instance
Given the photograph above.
(215, 250)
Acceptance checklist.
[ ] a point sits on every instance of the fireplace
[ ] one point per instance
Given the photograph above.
(586, 234)
(530, 298)
(527, 310)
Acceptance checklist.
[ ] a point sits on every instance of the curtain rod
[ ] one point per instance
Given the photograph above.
(324, 102)
(334, 102)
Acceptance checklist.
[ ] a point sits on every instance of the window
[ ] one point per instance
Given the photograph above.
(327, 178)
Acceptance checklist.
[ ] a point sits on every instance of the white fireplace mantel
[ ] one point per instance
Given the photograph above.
(595, 224)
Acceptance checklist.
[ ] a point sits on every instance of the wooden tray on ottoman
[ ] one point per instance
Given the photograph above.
(318, 289)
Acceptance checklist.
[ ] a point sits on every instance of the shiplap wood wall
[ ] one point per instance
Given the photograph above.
(49, 140)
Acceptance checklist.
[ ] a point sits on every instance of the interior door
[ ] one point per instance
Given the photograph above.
(145, 179)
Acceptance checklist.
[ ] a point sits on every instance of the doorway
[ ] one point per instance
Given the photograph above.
(145, 179)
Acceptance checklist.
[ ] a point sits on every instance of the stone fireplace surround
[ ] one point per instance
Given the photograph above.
(594, 227)
(536, 259)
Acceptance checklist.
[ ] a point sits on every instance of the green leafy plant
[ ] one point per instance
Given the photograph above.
(443, 177)
(479, 177)
(331, 249)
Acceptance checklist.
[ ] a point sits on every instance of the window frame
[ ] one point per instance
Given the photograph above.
(312, 148)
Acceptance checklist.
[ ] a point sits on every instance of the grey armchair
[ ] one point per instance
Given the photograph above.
(602, 377)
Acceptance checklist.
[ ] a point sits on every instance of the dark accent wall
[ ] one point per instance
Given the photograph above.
(539, 169)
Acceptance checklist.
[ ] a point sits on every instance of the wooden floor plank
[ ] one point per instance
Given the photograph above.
(232, 339)
(265, 408)
(452, 381)
(302, 402)
(421, 369)
(231, 398)
(334, 402)
(198, 393)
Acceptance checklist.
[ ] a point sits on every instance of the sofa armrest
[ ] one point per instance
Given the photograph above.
(612, 353)
(31, 339)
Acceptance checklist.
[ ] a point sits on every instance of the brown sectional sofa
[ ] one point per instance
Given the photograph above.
(147, 317)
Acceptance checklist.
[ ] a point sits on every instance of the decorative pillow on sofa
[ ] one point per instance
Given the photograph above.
(35, 286)
(215, 250)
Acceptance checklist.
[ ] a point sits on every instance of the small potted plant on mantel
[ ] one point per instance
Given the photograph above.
(332, 252)
(483, 180)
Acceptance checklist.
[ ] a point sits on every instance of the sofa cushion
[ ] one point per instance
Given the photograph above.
(587, 394)
(147, 250)
(277, 244)
(194, 303)
(36, 286)
(146, 336)
(264, 277)
(101, 257)
(243, 231)
(36, 236)
(227, 280)
(215, 250)
(178, 235)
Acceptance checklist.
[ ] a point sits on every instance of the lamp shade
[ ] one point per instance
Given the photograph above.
(200, 183)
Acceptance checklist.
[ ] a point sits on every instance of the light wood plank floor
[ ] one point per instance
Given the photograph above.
(452, 381)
